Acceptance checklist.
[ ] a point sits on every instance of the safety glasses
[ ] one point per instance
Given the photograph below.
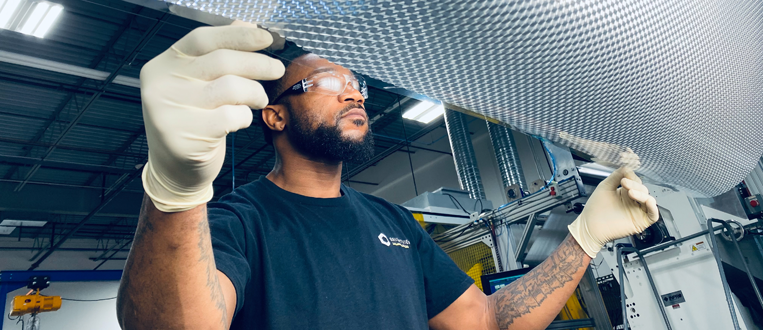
(328, 83)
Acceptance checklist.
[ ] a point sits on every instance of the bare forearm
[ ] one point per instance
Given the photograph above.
(170, 280)
(535, 299)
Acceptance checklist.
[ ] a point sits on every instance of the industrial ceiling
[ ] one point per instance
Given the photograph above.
(72, 141)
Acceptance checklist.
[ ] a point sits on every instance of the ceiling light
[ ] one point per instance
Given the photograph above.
(34, 18)
(424, 112)
(7, 9)
(22, 223)
(47, 22)
(6, 230)
(432, 114)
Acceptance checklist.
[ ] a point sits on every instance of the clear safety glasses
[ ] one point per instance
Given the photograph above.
(329, 83)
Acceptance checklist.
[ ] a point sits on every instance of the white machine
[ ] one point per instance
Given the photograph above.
(685, 275)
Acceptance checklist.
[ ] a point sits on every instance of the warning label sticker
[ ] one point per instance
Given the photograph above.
(699, 246)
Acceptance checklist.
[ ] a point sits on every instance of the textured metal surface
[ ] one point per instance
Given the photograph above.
(507, 156)
(463, 154)
(678, 83)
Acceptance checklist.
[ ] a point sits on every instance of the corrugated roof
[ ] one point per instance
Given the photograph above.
(109, 138)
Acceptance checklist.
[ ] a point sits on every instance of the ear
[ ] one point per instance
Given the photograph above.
(275, 117)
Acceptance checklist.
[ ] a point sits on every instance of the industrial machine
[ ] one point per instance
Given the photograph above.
(674, 276)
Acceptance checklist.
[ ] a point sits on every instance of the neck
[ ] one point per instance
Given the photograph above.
(298, 174)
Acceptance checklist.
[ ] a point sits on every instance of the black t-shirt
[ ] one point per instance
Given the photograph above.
(353, 262)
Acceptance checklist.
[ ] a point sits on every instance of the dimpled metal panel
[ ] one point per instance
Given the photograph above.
(671, 87)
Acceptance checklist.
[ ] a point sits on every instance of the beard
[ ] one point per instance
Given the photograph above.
(326, 142)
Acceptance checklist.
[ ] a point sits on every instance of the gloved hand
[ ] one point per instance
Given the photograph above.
(613, 212)
(194, 94)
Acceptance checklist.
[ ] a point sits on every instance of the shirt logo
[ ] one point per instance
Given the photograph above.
(404, 243)
(383, 239)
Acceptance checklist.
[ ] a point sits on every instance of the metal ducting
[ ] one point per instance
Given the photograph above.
(507, 156)
(463, 154)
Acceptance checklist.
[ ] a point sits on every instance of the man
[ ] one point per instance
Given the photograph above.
(296, 249)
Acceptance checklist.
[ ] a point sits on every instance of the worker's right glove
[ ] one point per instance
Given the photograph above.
(194, 94)
(614, 212)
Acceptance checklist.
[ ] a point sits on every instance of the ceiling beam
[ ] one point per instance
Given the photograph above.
(73, 148)
(138, 47)
(124, 147)
(54, 117)
(78, 167)
(395, 147)
(114, 191)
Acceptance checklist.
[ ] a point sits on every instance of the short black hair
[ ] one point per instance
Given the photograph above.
(286, 55)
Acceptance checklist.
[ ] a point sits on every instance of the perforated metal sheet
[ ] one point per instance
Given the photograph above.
(671, 86)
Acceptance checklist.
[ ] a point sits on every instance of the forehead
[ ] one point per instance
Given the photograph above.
(307, 65)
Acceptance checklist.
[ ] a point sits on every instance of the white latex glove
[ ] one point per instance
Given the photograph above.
(194, 94)
(613, 212)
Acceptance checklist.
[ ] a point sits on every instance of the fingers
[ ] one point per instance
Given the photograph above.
(234, 117)
(240, 36)
(628, 173)
(224, 62)
(651, 210)
(233, 90)
(612, 181)
(633, 185)
(649, 204)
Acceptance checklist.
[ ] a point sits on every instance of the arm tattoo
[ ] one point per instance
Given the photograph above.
(213, 282)
(144, 228)
(528, 292)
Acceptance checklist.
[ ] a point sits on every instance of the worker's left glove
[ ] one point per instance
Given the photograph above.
(619, 207)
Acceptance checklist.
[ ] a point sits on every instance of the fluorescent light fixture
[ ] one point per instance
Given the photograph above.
(7, 9)
(417, 110)
(434, 112)
(424, 112)
(22, 223)
(50, 17)
(35, 18)
(6, 230)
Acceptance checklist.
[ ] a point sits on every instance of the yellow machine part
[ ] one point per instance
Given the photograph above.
(573, 309)
(420, 218)
(475, 260)
(35, 303)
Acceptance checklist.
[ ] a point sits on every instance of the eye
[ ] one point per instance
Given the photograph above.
(329, 83)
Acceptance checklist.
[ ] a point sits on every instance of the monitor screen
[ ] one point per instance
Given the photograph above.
(494, 282)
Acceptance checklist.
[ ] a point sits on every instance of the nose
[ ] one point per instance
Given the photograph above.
(352, 95)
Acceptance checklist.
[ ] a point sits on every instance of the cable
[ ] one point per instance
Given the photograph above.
(407, 146)
(459, 234)
(482, 206)
(455, 201)
(83, 300)
(88, 300)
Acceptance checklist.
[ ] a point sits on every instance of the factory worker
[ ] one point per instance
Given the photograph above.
(296, 249)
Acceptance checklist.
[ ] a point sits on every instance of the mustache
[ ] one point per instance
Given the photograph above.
(350, 107)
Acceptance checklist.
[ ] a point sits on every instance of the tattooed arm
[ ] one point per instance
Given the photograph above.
(534, 300)
(170, 280)
(531, 302)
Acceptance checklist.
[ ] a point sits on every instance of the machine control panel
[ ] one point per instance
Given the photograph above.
(753, 205)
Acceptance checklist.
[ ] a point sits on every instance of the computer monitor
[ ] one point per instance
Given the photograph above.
(494, 282)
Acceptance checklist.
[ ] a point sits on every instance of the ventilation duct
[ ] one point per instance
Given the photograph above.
(507, 157)
(463, 154)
